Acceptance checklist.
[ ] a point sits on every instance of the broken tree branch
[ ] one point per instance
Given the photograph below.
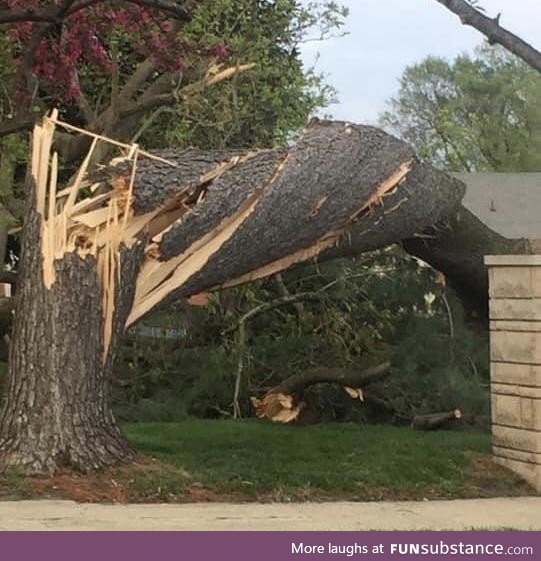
(341, 376)
(195, 214)
(283, 403)
(277, 302)
(146, 103)
(123, 116)
(493, 31)
(284, 291)
(54, 13)
(457, 247)
(240, 327)
(360, 201)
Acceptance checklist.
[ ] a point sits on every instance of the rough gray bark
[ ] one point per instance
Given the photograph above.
(341, 376)
(285, 403)
(57, 408)
(455, 241)
(319, 186)
(457, 247)
(435, 421)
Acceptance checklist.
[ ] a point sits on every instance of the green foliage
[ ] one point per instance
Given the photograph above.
(384, 306)
(262, 107)
(13, 156)
(478, 113)
(439, 373)
(14, 148)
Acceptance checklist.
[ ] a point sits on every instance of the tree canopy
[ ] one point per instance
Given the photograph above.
(476, 113)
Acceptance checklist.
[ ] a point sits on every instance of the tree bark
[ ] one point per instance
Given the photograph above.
(457, 247)
(340, 182)
(342, 376)
(491, 29)
(455, 244)
(57, 409)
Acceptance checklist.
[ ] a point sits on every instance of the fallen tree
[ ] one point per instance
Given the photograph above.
(284, 403)
(434, 421)
(457, 247)
(109, 248)
(454, 244)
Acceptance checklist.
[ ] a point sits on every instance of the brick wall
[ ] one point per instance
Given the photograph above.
(515, 353)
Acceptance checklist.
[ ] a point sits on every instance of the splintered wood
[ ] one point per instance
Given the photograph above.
(278, 407)
(85, 220)
(160, 278)
(95, 225)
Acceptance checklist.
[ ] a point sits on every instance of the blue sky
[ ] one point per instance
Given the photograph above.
(385, 36)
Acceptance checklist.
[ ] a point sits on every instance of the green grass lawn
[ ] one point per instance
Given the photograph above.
(333, 460)
(198, 460)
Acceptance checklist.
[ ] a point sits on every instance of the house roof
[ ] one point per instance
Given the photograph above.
(508, 203)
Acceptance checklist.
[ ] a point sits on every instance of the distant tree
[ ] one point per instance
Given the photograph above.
(478, 113)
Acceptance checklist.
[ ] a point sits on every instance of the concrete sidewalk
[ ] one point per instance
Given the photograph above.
(509, 513)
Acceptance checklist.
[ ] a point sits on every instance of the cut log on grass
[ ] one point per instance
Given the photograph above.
(284, 404)
(107, 249)
(435, 420)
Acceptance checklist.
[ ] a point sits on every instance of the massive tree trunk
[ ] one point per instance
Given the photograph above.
(455, 244)
(457, 247)
(57, 411)
(58, 403)
(103, 252)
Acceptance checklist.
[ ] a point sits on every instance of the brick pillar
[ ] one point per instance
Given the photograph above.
(515, 354)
